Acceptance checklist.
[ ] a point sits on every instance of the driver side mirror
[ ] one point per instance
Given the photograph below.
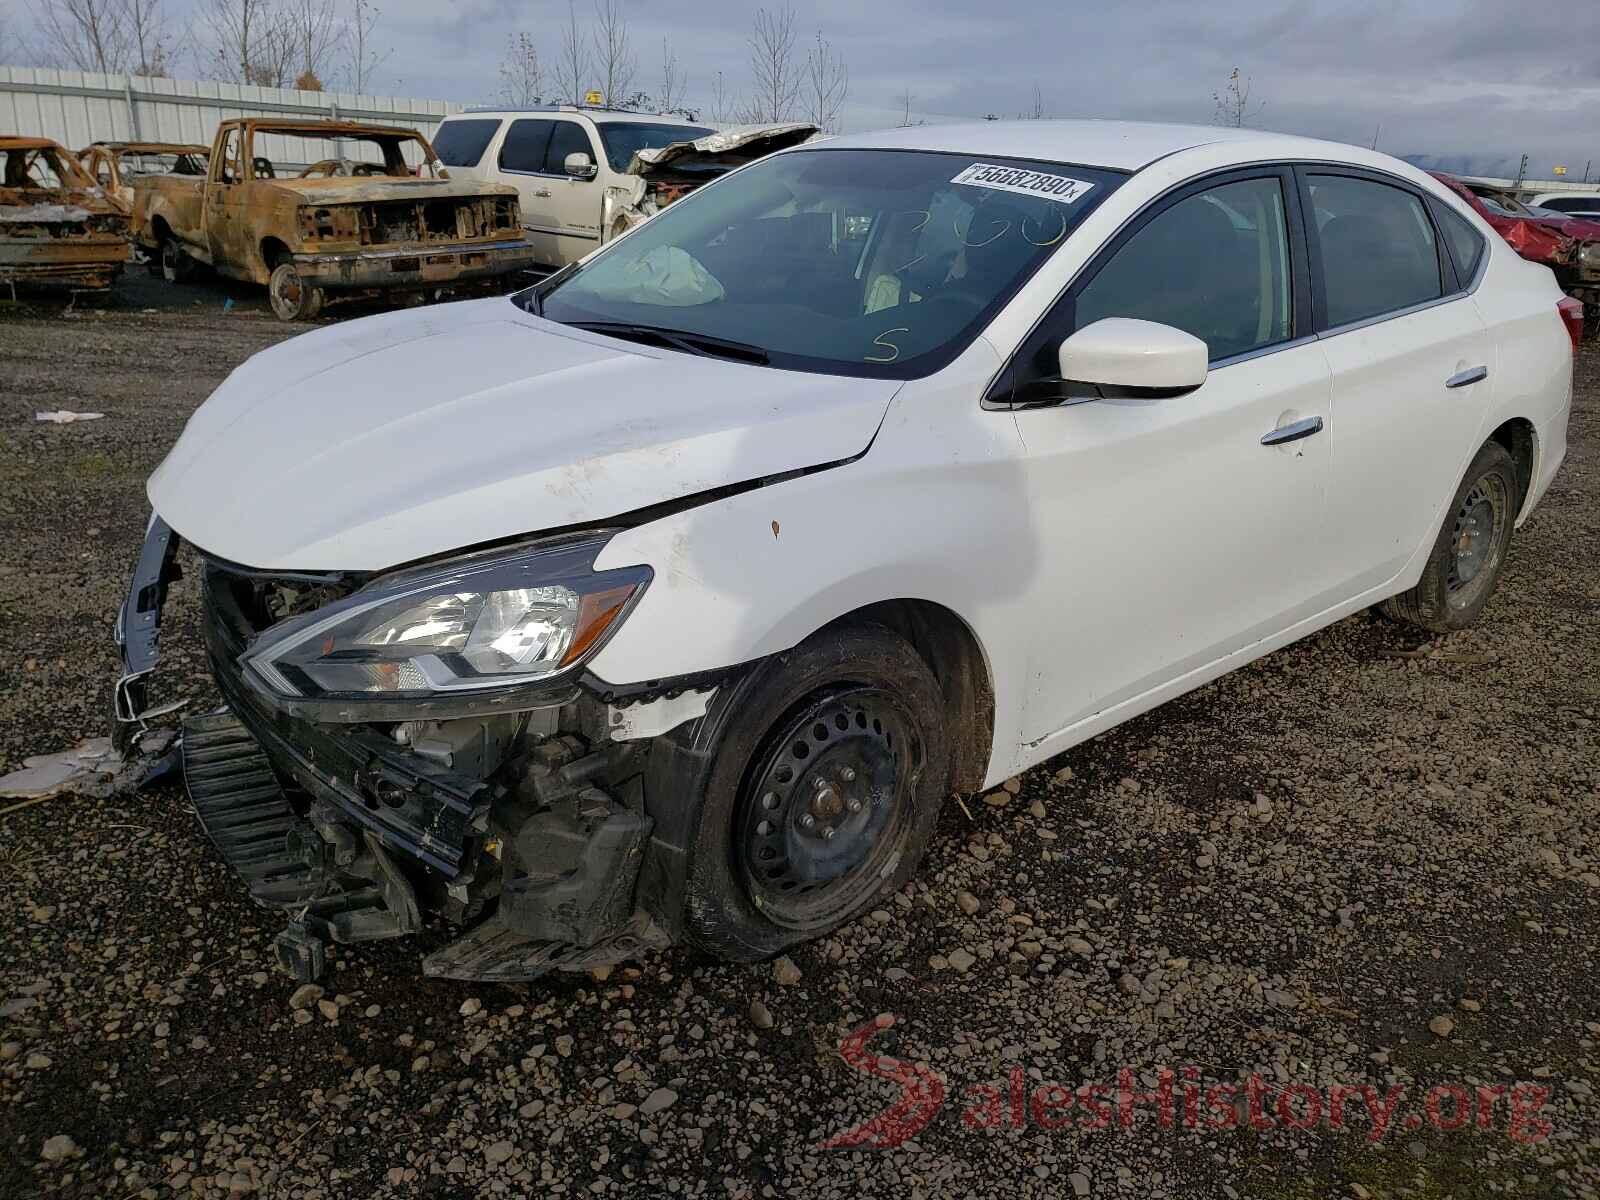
(1120, 358)
(580, 166)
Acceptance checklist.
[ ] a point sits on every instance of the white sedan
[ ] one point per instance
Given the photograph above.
(669, 599)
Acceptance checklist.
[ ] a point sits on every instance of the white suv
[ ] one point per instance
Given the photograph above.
(571, 166)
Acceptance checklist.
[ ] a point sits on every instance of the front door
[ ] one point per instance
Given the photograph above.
(1173, 532)
(1411, 360)
(221, 218)
(560, 213)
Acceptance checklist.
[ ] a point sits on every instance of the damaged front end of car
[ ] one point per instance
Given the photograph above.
(421, 749)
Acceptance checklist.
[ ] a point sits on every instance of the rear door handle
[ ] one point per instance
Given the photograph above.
(1293, 432)
(1469, 376)
(542, 192)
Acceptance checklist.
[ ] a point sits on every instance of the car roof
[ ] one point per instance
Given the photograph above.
(1119, 145)
(601, 116)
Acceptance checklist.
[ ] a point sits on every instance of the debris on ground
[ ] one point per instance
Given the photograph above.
(62, 416)
(92, 768)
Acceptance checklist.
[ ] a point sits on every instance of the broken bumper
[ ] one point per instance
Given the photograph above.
(416, 267)
(92, 263)
(527, 844)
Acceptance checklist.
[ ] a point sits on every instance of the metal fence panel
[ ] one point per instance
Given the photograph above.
(77, 107)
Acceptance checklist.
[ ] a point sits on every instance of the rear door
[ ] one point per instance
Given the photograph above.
(1411, 362)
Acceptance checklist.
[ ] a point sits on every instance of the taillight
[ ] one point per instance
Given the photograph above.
(1572, 314)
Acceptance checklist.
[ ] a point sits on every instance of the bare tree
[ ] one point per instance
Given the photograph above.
(1233, 107)
(907, 98)
(1036, 112)
(615, 62)
(360, 37)
(827, 82)
(721, 99)
(674, 82)
(521, 73)
(149, 39)
(775, 79)
(247, 41)
(572, 67)
(311, 27)
(84, 35)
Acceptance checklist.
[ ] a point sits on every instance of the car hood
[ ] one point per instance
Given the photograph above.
(360, 189)
(381, 441)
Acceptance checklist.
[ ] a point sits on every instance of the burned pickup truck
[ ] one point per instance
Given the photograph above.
(115, 166)
(56, 226)
(310, 208)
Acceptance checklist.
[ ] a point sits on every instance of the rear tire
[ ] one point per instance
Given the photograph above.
(1464, 568)
(843, 733)
(176, 265)
(293, 299)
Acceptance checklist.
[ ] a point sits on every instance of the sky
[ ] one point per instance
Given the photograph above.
(1471, 84)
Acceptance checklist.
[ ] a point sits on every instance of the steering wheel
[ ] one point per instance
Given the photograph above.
(328, 168)
(263, 168)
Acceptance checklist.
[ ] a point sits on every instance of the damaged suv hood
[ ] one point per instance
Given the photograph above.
(368, 444)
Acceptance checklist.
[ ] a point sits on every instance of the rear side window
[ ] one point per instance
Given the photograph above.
(568, 138)
(1215, 264)
(1573, 204)
(1378, 252)
(1465, 244)
(524, 147)
(462, 143)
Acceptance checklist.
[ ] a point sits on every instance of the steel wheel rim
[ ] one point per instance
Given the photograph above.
(288, 291)
(848, 762)
(1476, 540)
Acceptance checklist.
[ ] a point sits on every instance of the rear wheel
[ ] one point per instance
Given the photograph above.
(293, 299)
(176, 265)
(1464, 567)
(826, 788)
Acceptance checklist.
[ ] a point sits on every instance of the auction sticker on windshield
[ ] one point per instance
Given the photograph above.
(1029, 183)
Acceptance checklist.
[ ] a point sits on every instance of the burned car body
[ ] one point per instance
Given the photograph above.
(56, 226)
(336, 224)
(115, 166)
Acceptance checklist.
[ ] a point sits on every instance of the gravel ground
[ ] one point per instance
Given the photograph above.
(1368, 859)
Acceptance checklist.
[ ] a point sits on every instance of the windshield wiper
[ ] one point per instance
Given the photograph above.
(678, 339)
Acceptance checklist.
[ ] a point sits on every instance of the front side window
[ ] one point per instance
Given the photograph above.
(622, 138)
(1214, 264)
(462, 143)
(568, 138)
(524, 146)
(863, 262)
(1378, 252)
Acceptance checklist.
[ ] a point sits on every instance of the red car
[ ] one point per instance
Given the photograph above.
(1569, 246)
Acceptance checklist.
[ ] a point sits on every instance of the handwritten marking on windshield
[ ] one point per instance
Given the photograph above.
(894, 351)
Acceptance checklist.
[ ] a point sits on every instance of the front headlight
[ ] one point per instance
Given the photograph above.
(490, 621)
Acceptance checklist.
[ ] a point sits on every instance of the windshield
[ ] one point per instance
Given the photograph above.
(622, 138)
(308, 154)
(146, 162)
(856, 262)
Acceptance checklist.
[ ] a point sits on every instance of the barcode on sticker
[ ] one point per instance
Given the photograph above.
(1028, 183)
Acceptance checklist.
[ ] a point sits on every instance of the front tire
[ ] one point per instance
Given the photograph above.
(1464, 568)
(293, 299)
(826, 787)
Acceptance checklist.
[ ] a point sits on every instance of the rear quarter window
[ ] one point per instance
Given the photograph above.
(462, 143)
(1466, 244)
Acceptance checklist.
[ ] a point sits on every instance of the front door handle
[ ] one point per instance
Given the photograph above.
(543, 192)
(1293, 432)
(1469, 376)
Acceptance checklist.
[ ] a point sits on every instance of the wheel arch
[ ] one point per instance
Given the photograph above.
(951, 648)
(273, 251)
(1521, 440)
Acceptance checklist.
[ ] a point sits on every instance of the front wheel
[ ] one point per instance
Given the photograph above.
(1464, 567)
(826, 788)
(293, 299)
